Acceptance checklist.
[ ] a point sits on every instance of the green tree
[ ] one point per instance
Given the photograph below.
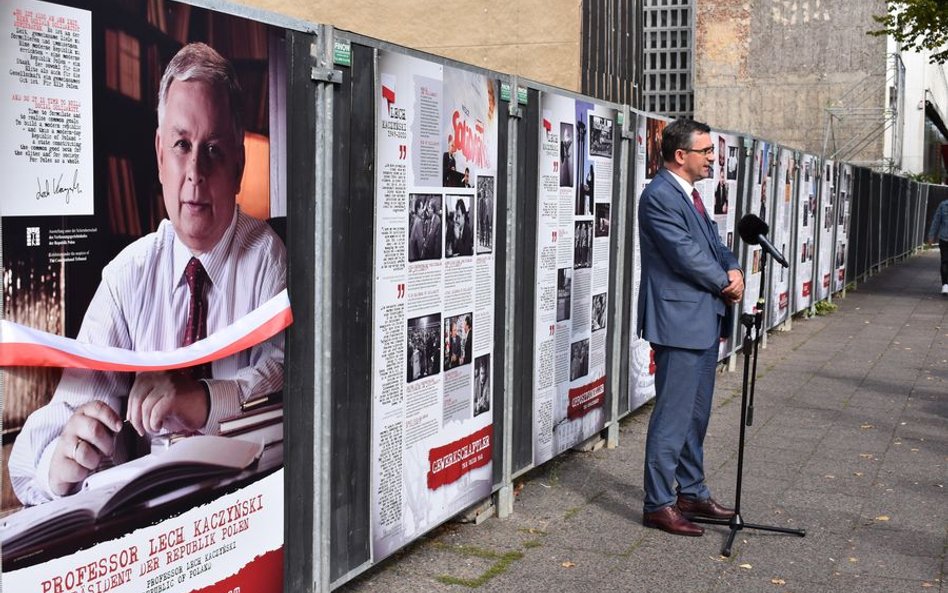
(918, 25)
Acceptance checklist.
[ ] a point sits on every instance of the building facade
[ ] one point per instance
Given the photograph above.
(804, 74)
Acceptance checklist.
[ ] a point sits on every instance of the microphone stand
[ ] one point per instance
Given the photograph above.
(752, 331)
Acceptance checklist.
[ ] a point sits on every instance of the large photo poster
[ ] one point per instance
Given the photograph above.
(760, 203)
(806, 224)
(826, 259)
(577, 143)
(432, 394)
(648, 161)
(144, 276)
(719, 194)
(843, 201)
(781, 233)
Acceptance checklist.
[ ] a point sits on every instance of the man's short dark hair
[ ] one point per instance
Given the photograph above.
(677, 135)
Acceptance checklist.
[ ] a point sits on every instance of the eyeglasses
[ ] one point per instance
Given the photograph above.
(705, 151)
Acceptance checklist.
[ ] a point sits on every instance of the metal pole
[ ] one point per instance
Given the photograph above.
(817, 235)
(618, 235)
(322, 334)
(505, 496)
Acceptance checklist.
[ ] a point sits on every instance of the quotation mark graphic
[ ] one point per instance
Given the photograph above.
(400, 291)
(402, 152)
(555, 236)
(552, 328)
(556, 166)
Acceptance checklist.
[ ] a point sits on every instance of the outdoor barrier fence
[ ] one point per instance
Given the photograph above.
(461, 257)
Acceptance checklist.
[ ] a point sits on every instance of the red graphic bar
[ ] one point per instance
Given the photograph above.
(583, 400)
(447, 463)
(263, 575)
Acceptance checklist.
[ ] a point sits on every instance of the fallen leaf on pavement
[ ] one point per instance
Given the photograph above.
(882, 518)
(568, 564)
(746, 566)
(778, 581)
(866, 426)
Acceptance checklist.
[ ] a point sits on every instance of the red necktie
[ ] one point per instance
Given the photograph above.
(196, 328)
(699, 205)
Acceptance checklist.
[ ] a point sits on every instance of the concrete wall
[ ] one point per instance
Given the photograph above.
(771, 67)
(537, 39)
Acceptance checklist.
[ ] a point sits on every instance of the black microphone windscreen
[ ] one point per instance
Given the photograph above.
(751, 227)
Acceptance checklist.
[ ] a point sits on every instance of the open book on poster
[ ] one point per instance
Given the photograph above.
(187, 461)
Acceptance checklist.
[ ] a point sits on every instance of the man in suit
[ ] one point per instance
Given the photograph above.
(468, 339)
(689, 281)
(204, 267)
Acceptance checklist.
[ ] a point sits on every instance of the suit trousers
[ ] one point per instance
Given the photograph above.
(943, 247)
(674, 447)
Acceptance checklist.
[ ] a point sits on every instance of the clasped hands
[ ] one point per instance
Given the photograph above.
(734, 291)
(161, 400)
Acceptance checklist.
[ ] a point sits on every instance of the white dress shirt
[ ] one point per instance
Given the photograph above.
(142, 304)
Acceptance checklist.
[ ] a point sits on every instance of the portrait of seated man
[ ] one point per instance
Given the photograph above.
(204, 267)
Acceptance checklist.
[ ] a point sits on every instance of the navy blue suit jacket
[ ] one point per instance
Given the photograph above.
(684, 270)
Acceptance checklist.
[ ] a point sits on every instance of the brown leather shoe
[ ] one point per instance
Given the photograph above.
(691, 507)
(671, 520)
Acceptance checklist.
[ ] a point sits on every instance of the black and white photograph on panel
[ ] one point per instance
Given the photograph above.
(598, 312)
(485, 213)
(841, 211)
(602, 218)
(482, 384)
(731, 163)
(458, 340)
(425, 227)
(586, 189)
(828, 216)
(424, 351)
(566, 155)
(459, 226)
(579, 359)
(564, 293)
(600, 136)
(582, 245)
(720, 197)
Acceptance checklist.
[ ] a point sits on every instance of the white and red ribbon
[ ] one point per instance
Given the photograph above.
(23, 346)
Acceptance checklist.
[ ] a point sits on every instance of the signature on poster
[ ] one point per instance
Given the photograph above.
(45, 191)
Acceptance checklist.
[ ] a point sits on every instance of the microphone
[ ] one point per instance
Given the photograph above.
(753, 230)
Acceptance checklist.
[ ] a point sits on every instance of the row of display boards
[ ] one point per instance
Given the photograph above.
(457, 248)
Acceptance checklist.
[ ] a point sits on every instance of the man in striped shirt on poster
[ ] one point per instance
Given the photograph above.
(205, 266)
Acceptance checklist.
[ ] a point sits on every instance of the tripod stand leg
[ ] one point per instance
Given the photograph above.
(800, 532)
(726, 548)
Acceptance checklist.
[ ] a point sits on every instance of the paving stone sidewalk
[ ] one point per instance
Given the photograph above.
(849, 441)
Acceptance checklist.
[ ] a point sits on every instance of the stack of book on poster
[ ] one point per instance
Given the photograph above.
(125, 488)
(260, 420)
